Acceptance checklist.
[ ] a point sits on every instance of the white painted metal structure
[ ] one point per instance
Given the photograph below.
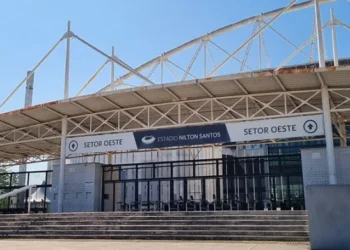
(38, 133)
(28, 133)
(244, 96)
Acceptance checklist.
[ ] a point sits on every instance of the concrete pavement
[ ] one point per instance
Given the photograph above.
(142, 245)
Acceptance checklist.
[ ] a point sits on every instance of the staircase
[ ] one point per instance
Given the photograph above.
(232, 225)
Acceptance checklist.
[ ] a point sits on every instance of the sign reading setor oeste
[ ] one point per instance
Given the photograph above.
(101, 143)
(281, 128)
(291, 127)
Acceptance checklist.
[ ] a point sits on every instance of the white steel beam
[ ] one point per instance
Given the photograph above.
(227, 53)
(24, 132)
(185, 108)
(155, 108)
(66, 75)
(94, 115)
(171, 71)
(299, 49)
(289, 42)
(334, 39)
(177, 66)
(161, 72)
(119, 107)
(154, 68)
(192, 61)
(319, 33)
(30, 74)
(112, 66)
(223, 30)
(342, 128)
(205, 57)
(93, 77)
(114, 59)
(254, 36)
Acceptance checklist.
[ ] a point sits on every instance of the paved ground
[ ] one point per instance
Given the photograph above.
(140, 245)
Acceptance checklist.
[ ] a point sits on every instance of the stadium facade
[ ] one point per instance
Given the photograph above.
(243, 141)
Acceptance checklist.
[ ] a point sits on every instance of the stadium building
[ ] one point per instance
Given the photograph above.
(250, 140)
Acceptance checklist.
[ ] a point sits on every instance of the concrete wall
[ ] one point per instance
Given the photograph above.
(315, 170)
(82, 188)
(329, 216)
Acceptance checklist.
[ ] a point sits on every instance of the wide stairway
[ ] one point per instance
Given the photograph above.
(233, 225)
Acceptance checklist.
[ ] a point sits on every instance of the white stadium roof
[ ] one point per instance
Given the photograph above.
(33, 134)
(35, 131)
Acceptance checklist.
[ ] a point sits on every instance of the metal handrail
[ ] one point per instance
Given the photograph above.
(20, 190)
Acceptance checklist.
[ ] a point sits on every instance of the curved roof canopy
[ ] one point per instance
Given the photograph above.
(32, 133)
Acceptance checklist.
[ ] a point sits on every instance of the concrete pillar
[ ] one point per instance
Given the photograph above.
(28, 100)
(329, 136)
(62, 165)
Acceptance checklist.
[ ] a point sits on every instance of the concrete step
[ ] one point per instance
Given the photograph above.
(164, 237)
(247, 225)
(164, 213)
(155, 227)
(159, 232)
(161, 217)
(157, 222)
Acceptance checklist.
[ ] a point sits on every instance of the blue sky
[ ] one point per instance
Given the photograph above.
(139, 30)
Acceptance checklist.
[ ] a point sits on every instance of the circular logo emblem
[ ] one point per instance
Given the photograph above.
(73, 146)
(310, 126)
(149, 139)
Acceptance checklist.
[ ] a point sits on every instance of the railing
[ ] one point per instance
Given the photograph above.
(204, 205)
(41, 190)
(20, 190)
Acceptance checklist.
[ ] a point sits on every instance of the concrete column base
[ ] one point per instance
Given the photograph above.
(329, 216)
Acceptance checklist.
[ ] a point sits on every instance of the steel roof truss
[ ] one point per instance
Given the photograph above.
(164, 115)
(194, 112)
(305, 102)
(230, 108)
(267, 105)
(133, 118)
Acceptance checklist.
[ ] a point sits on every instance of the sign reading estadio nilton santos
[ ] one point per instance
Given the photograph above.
(199, 135)
(186, 136)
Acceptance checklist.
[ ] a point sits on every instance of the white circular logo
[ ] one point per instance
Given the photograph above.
(149, 139)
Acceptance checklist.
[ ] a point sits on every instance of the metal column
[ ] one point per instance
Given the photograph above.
(28, 100)
(66, 78)
(329, 136)
(110, 156)
(112, 66)
(319, 33)
(27, 103)
(334, 39)
(62, 164)
(64, 128)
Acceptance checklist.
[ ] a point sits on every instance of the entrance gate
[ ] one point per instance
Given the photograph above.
(228, 183)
